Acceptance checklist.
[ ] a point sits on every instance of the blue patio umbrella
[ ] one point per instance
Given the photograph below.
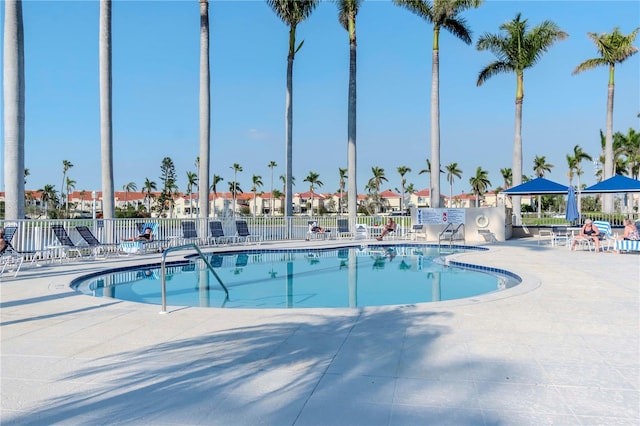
(572, 206)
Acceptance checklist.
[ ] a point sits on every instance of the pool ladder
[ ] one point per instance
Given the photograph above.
(163, 276)
(451, 234)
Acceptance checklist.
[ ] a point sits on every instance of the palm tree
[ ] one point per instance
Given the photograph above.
(236, 168)
(479, 183)
(631, 148)
(272, 164)
(66, 165)
(14, 109)
(342, 173)
(374, 185)
(256, 182)
(106, 122)
(283, 179)
(47, 195)
(452, 172)
(614, 48)
(578, 156)
(276, 195)
(148, 188)
(347, 11)
(83, 194)
(378, 177)
(443, 14)
(540, 167)
(516, 51)
(131, 186)
(507, 177)
(427, 170)
(192, 180)
(403, 170)
(291, 13)
(313, 180)
(205, 111)
(234, 188)
(69, 184)
(214, 188)
(197, 186)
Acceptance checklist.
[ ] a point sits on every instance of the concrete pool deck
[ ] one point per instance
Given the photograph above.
(561, 348)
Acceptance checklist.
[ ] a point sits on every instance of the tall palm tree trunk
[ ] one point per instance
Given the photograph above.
(14, 109)
(517, 149)
(352, 190)
(106, 124)
(607, 199)
(435, 122)
(205, 110)
(289, 126)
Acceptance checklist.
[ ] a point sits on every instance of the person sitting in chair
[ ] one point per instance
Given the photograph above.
(146, 235)
(630, 232)
(389, 227)
(4, 244)
(315, 228)
(588, 232)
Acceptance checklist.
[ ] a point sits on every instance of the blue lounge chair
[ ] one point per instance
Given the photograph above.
(243, 234)
(65, 243)
(93, 242)
(142, 246)
(189, 232)
(606, 235)
(343, 229)
(216, 233)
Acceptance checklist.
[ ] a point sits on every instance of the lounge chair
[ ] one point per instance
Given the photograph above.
(561, 234)
(65, 243)
(606, 235)
(142, 246)
(417, 231)
(343, 229)
(627, 245)
(33, 255)
(10, 258)
(216, 234)
(93, 242)
(313, 231)
(189, 232)
(243, 234)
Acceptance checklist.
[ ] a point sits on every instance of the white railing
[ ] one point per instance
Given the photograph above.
(36, 235)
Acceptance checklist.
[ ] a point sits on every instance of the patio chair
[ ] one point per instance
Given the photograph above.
(142, 246)
(315, 232)
(189, 232)
(65, 243)
(33, 255)
(606, 235)
(561, 234)
(244, 234)
(343, 229)
(417, 231)
(627, 245)
(93, 242)
(216, 234)
(10, 258)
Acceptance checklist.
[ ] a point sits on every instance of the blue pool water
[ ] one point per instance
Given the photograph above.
(345, 277)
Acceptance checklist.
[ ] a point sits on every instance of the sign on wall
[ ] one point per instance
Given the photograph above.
(427, 216)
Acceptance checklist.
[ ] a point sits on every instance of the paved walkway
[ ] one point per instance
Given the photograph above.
(561, 348)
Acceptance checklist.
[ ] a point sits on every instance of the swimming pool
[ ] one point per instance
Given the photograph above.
(328, 278)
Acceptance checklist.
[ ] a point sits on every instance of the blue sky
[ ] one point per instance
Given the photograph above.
(155, 92)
